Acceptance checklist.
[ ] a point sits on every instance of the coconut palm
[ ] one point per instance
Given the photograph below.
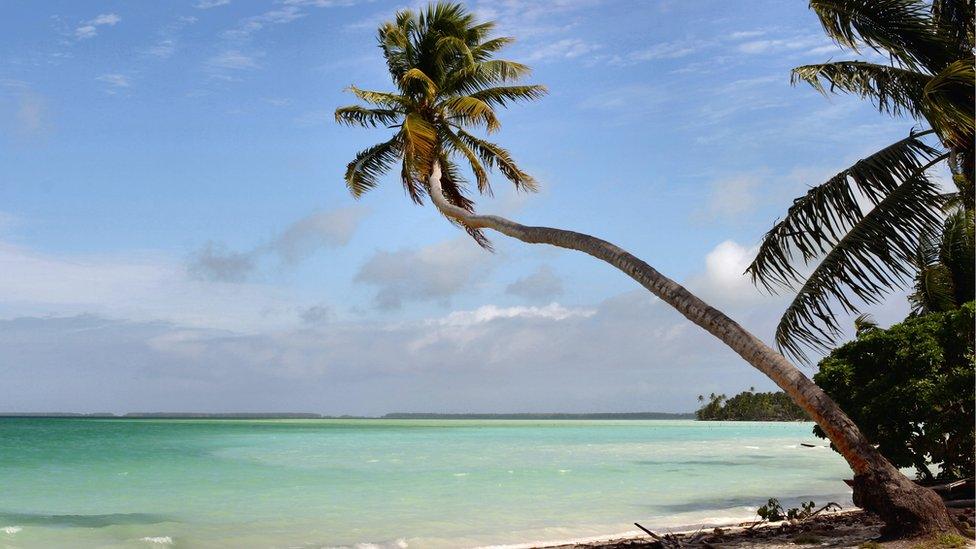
(441, 62)
(946, 263)
(862, 253)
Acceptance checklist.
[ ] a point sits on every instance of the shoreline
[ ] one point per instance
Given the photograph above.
(729, 525)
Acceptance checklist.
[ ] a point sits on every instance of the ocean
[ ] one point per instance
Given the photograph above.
(112, 483)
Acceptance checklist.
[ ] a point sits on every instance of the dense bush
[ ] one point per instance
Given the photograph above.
(750, 406)
(910, 390)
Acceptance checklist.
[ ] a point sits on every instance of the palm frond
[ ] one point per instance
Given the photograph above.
(458, 145)
(864, 323)
(492, 155)
(484, 74)
(363, 172)
(955, 20)
(502, 95)
(382, 99)
(470, 110)
(948, 103)
(893, 90)
(419, 139)
(901, 28)
(415, 75)
(484, 50)
(453, 187)
(356, 115)
(873, 257)
(817, 220)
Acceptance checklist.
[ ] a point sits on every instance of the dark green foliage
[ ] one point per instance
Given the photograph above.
(946, 277)
(750, 406)
(910, 390)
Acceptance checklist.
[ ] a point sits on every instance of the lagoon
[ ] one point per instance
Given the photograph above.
(391, 483)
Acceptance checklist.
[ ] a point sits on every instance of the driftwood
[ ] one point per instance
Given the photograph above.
(671, 541)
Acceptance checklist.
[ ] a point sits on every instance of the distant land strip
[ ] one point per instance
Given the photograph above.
(299, 415)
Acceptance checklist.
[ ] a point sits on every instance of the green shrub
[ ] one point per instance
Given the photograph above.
(910, 390)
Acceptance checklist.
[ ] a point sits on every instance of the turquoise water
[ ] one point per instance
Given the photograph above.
(397, 483)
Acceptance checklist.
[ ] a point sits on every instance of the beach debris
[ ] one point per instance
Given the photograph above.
(673, 541)
(773, 511)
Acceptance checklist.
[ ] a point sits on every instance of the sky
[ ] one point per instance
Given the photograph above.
(175, 233)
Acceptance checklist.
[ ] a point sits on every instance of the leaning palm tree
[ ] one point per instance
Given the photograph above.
(448, 83)
(862, 252)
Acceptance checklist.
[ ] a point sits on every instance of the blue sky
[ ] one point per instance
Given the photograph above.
(175, 233)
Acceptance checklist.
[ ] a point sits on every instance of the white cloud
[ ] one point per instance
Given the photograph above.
(746, 34)
(247, 27)
(233, 60)
(725, 268)
(89, 29)
(663, 50)
(433, 273)
(296, 243)
(731, 198)
(115, 80)
(171, 343)
(567, 48)
(149, 288)
(207, 4)
(489, 313)
(165, 48)
(541, 285)
(168, 37)
(781, 45)
(30, 118)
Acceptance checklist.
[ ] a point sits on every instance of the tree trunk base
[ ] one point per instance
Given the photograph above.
(906, 508)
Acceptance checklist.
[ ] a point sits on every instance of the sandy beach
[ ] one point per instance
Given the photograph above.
(845, 528)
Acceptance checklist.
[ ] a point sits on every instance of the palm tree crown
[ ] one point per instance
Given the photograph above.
(861, 253)
(447, 82)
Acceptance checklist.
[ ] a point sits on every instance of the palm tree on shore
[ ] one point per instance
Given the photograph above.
(862, 253)
(448, 82)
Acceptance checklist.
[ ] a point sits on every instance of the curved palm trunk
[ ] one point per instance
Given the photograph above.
(905, 507)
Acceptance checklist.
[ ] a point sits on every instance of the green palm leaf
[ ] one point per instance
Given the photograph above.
(364, 171)
(383, 99)
(893, 89)
(872, 257)
(357, 115)
(492, 155)
(901, 28)
(472, 111)
(817, 220)
(502, 95)
(447, 81)
(955, 21)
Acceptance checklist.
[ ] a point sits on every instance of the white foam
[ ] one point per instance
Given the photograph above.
(11, 529)
(158, 540)
(753, 447)
(460, 474)
(398, 544)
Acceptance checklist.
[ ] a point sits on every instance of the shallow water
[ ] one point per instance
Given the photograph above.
(390, 483)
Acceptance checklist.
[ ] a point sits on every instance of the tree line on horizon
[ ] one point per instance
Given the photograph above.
(750, 406)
